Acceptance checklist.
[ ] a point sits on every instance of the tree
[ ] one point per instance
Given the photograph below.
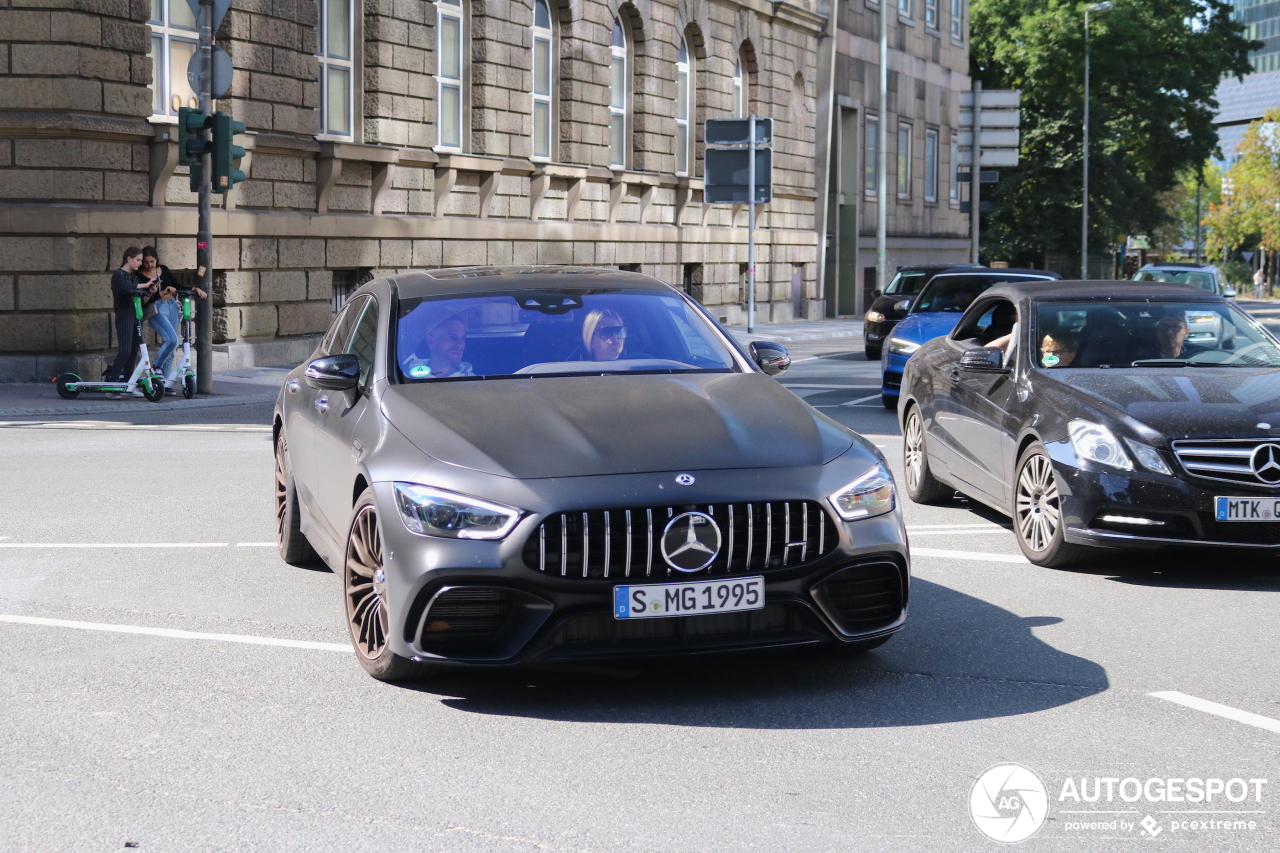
(1249, 212)
(1155, 67)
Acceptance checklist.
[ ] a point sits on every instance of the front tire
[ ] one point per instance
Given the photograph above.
(1037, 513)
(364, 584)
(292, 544)
(188, 386)
(922, 486)
(873, 353)
(153, 389)
(65, 379)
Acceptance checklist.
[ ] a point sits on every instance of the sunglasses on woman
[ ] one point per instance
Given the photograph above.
(619, 332)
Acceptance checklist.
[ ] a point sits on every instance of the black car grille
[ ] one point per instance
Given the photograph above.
(626, 543)
(466, 617)
(1227, 459)
(1244, 532)
(866, 596)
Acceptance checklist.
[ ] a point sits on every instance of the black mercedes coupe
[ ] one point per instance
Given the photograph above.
(1121, 415)
(550, 463)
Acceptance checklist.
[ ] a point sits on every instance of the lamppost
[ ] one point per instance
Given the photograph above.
(1105, 6)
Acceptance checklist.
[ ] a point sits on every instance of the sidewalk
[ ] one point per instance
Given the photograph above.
(784, 333)
(243, 386)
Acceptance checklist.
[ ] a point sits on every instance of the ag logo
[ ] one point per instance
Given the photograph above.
(1265, 462)
(690, 541)
(1009, 803)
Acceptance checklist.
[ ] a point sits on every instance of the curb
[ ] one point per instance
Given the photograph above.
(142, 406)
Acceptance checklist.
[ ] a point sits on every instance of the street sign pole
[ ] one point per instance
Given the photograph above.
(882, 157)
(204, 236)
(975, 151)
(751, 223)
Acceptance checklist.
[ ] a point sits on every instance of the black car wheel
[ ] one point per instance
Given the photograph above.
(364, 582)
(293, 545)
(873, 353)
(922, 486)
(1037, 514)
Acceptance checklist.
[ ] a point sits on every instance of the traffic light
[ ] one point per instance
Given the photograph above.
(225, 152)
(191, 147)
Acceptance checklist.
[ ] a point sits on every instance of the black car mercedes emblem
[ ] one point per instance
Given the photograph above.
(684, 479)
(691, 541)
(1265, 462)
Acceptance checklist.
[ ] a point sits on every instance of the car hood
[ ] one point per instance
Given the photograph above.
(615, 424)
(1191, 403)
(926, 326)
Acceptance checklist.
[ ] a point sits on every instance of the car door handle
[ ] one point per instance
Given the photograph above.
(322, 404)
(955, 374)
(292, 386)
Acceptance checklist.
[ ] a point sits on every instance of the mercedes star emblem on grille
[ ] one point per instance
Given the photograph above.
(1266, 463)
(684, 479)
(690, 541)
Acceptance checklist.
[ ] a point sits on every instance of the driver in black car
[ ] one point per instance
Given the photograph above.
(1171, 338)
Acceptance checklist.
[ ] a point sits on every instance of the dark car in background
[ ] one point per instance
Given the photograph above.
(1099, 424)
(889, 307)
(557, 463)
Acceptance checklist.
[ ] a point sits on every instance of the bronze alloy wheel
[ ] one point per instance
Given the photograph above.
(294, 547)
(1038, 513)
(365, 583)
(282, 492)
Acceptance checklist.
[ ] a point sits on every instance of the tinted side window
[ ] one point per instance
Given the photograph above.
(364, 341)
(336, 338)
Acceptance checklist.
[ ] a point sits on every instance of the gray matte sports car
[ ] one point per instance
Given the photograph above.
(562, 463)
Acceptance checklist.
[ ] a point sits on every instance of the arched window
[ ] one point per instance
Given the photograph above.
(618, 98)
(449, 75)
(684, 104)
(739, 90)
(543, 38)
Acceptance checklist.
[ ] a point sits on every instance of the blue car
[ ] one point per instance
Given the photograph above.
(935, 313)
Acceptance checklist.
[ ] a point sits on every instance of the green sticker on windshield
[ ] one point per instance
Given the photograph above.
(1049, 360)
(420, 370)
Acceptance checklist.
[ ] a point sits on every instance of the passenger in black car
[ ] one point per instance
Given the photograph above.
(1058, 349)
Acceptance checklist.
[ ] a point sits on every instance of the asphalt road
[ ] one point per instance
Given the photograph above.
(193, 735)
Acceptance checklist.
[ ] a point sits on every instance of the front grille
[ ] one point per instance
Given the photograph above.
(1226, 459)
(465, 617)
(626, 543)
(1244, 532)
(865, 597)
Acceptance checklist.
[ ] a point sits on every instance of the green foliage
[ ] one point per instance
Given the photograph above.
(1155, 67)
(1248, 212)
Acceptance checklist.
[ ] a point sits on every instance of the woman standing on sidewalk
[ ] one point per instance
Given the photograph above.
(167, 318)
(125, 284)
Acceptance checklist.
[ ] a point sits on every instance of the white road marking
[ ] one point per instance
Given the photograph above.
(923, 527)
(875, 396)
(970, 555)
(51, 545)
(176, 634)
(255, 544)
(956, 532)
(1230, 713)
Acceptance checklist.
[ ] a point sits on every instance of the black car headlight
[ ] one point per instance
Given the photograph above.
(866, 497)
(875, 317)
(902, 346)
(1148, 457)
(1096, 443)
(435, 512)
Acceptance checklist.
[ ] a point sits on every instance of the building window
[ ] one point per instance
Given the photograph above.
(174, 41)
(542, 52)
(739, 90)
(618, 98)
(336, 67)
(871, 148)
(955, 169)
(957, 19)
(449, 81)
(931, 14)
(684, 103)
(904, 161)
(904, 8)
(931, 165)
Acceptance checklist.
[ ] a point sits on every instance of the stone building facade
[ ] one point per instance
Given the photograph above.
(397, 134)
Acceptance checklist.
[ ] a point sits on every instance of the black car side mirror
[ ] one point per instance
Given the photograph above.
(334, 372)
(876, 294)
(772, 358)
(984, 360)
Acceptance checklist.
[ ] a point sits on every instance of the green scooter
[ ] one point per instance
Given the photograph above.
(145, 377)
(183, 373)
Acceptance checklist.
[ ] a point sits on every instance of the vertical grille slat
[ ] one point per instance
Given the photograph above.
(621, 539)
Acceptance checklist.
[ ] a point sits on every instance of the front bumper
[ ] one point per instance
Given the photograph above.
(483, 604)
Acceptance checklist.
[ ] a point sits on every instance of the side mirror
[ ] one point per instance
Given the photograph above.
(876, 294)
(983, 360)
(334, 372)
(1229, 293)
(772, 358)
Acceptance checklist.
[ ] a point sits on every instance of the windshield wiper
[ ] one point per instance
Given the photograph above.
(1160, 362)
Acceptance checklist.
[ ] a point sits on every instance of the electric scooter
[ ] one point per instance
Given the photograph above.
(144, 377)
(183, 373)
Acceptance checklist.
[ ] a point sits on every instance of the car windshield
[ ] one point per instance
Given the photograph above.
(540, 333)
(1195, 278)
(1150, 334)
(954, 293)
(907, 283)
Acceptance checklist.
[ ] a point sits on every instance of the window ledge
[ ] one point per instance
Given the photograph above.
(469, 162)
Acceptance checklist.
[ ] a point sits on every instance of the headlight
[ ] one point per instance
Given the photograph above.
(902, 305)
(1096, 443)
(869, 495)
(902, 346)
(875, 317)
(435, 512)
(1148, 457)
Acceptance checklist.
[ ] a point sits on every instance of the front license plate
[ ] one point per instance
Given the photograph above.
(1247, 509)
(687, 599)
